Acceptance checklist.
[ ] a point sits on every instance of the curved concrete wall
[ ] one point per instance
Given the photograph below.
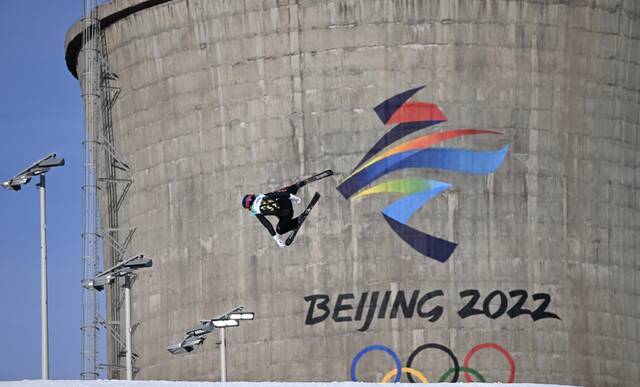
(221, 98)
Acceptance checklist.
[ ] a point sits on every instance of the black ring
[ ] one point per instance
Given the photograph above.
(456, 365)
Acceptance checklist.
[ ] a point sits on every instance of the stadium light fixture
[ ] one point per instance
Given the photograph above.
(241, 316)
(186, 345)
(225, 323)
(197, 335)
(124, 269)
(40, 168)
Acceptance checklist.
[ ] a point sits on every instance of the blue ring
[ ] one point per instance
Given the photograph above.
(370, 348)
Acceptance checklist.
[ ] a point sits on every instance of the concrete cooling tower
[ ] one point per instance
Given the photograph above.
(482, 221)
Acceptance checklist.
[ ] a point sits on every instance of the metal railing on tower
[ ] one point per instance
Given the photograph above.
(107, 180)
(90, 83)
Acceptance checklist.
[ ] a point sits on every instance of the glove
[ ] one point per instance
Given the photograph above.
(295, 199)
(279, 241)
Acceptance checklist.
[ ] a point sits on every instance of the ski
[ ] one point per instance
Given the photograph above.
(303, 216)
(308, 180)
(316, 177)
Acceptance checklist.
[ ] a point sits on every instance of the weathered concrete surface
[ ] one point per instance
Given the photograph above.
(226, 97)
(126, 383)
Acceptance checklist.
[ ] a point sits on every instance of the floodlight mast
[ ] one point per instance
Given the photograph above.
(227, 317)
(40, 168)
(124, 269)
(223, 321)
(44, 304)
(223, 356)
(127, 326)
(196, 336)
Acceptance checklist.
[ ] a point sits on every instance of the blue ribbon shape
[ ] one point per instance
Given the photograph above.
(459, 160)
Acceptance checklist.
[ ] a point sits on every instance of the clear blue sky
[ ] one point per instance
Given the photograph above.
(40, 112)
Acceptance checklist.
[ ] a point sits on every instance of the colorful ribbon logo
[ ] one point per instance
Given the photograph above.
(409, 117)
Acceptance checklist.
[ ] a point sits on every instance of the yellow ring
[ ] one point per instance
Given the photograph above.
(405, 370)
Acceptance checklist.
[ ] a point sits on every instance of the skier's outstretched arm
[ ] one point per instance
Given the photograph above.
(269, 228)
(265, 222)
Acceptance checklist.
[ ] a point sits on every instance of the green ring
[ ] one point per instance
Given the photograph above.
(469, 370)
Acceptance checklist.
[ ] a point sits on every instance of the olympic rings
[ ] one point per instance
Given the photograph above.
(444, 349)
(512, 364)
(382, 348)
(408, 371)
(467, 369)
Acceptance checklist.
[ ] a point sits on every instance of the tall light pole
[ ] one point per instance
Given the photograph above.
(223, 356)
(44, 299)
(197, 335)
(40, 168)
(124, 269)
(127, 326)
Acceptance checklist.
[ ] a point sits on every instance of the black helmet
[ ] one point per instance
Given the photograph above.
(247, 200)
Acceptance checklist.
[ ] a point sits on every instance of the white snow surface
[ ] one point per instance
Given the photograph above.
(141, 383)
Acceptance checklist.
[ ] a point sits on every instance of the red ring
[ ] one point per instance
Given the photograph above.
(507, 355)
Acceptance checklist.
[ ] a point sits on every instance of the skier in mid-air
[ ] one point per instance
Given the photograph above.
(280, 204)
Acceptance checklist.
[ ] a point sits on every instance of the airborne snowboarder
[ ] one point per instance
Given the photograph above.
(280, 204)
